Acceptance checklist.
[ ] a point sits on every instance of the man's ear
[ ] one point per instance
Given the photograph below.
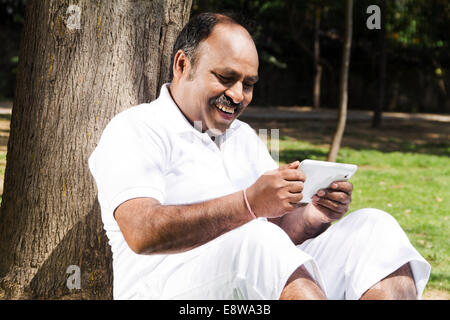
(181, 64)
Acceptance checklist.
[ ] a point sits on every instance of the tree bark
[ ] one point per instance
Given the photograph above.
(343, 83)
(71, 81)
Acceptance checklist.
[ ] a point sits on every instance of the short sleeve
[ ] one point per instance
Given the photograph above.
(128, 162)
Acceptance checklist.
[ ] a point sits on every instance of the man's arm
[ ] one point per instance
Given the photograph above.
(149, 227)
(298, 226)
(310, 220)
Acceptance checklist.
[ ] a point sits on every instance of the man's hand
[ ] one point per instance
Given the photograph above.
(277, 192)
(333, 202)
(310, 220)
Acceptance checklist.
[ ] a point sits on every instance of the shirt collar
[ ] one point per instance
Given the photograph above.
(179, 123)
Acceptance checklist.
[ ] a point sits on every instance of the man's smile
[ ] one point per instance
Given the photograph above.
(225, 109)
(225, 112)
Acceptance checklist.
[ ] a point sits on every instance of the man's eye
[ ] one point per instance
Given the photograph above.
(224, 79)
(247, 86)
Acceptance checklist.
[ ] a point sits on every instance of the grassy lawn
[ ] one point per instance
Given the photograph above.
(413, 187)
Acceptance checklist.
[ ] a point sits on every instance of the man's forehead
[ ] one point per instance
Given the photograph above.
(229, 41)
(226, 33)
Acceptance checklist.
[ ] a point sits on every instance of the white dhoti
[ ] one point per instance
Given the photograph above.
(255, 260)
(362, 249)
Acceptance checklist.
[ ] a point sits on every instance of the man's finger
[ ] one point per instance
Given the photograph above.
(295, 186)
(293, 175)
(292, 165)
(334, 209)
(331, 214)
(337, 196)
(295, 197)
(344, 186)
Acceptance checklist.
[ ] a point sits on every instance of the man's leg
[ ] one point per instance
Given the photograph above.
(301, 286)
(255, 261)
(399, 285)
(366, 250)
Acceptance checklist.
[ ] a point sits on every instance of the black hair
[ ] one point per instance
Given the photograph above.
(195, 31)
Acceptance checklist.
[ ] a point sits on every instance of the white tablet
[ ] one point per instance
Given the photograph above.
(321, 174)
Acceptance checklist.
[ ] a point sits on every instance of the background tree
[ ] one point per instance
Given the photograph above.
(11, 22)
(72, 79)
(416, 49)
(343, 82)
(379, 106)
(317, 64)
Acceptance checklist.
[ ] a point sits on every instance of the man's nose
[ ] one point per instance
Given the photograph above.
(236, 92)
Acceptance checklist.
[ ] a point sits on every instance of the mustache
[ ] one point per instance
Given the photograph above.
(225, 100)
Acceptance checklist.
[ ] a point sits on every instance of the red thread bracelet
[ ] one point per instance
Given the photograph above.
(248, 205)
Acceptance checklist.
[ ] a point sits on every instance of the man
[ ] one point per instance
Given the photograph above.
(195, 207)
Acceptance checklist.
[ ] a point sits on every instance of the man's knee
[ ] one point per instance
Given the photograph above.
(372, 214)
(258, 227)
(399, 285)
(264, 257)
(253, 241)
(302, 286)
(373, 218)
(373, 227)
(262, 235)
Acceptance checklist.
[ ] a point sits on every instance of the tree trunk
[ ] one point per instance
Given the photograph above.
(317, 65)
(395, 80)
(343, 83)
(78, 68)
(443, 101)
(378, 110)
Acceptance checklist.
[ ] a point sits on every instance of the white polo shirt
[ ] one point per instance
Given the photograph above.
(151, 150)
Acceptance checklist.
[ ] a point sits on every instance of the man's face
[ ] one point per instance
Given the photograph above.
(220, 86)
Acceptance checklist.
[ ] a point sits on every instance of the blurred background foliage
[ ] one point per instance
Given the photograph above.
(414, 35)
(416, 40)
(11, 21)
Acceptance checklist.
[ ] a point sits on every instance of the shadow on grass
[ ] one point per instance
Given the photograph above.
(424, 137)
(292, 155)
(5, 116)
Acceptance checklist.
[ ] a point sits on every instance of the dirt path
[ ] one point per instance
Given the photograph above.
(292, 113)
(434, 294)
(418, 133)
(296, 113)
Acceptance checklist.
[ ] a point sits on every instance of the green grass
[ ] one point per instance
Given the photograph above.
(413, 187)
